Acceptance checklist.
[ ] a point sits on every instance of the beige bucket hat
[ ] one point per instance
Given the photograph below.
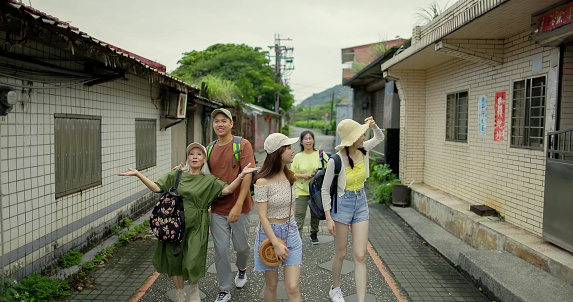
(350, 131)
(276, 140)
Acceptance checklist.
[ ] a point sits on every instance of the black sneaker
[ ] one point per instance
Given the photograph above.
(314, 238)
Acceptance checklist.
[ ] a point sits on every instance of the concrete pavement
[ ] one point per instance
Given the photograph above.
(410, 259)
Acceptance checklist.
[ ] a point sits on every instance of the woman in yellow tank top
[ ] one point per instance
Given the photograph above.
(351, 213)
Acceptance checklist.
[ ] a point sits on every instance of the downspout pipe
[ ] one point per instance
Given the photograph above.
(1, 225)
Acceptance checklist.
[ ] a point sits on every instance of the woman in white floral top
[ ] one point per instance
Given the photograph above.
(274, 194)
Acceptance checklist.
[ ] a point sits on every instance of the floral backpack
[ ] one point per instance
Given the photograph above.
(167, 219)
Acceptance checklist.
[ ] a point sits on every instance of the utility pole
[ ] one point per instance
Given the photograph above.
(308, 120)
(331, 110)
(283, 63)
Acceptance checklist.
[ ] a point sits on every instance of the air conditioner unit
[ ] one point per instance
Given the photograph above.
(177, 105)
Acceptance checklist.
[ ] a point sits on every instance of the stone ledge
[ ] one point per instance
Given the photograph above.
(491, 233)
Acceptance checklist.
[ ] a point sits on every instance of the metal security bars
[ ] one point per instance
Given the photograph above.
(145, 143)
(457, 117)
(560, 145)
(77, 149)
(528, 113)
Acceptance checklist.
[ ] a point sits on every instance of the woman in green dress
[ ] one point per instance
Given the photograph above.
(198, 189)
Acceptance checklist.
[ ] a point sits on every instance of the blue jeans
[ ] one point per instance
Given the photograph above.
(352, 208)
(294, 244)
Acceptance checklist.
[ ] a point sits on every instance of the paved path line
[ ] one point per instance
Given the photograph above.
(142, 289)
(389, 280)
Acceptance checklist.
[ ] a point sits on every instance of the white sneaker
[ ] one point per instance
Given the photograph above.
(223, 297)
(180, 296)
(336, 294)
(241, 278)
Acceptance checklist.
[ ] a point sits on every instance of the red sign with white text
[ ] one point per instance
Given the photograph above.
(498, 131)
(555, 19)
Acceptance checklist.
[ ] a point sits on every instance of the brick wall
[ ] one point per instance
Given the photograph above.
(412, 91)
(480, 171)
(37, 228)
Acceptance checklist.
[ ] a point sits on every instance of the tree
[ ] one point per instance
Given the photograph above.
(245, 66)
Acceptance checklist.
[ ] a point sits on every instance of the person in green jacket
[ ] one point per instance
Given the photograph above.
(198, 189)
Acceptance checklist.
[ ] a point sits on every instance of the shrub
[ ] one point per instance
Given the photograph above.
(382, 179)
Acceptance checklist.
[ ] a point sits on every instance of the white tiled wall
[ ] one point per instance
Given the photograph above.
(29, 207)
(480, 171)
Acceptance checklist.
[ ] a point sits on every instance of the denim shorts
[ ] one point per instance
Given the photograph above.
(294, 244)
(352, 207)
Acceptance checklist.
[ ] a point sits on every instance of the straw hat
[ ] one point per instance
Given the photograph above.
(277, 140)
(350, 131)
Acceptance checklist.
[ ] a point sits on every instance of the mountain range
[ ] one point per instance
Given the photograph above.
(321, 98)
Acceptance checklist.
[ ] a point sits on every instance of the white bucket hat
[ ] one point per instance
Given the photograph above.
(276, 140)
(350, 131)
(205, 168)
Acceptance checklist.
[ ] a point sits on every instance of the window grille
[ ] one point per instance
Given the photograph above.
(457, 117)
(528, 113)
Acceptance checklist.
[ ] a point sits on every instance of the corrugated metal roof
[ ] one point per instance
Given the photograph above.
(75, 33)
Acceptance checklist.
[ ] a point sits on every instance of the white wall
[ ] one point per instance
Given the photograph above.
(37, 227)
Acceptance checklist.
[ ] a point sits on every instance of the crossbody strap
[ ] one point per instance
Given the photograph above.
(289, 213)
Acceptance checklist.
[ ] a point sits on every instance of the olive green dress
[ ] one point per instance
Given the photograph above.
(198, 191)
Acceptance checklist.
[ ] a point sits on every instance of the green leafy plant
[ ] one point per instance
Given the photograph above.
(382, 179)
(70, 259)
(9, 292)
(99, 258)
(88, 265)
(127, 222)
(115, 229)
(380, 172)
(42, 288)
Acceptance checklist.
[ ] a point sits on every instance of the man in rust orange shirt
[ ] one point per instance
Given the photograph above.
(230, 214)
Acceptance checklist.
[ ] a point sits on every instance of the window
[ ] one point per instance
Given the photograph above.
(528, 113)
(145, 144)
(457, 117)
(77, 153)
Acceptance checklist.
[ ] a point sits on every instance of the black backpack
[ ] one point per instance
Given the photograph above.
(315, 185)
(167, 220)
(236, 157)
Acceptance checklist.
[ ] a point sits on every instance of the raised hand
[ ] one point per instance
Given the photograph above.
(130, 172)
(248, 170)
(370, 121)
(181, 165)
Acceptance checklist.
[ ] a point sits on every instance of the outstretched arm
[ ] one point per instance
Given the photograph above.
(150, 184)
(235, 184)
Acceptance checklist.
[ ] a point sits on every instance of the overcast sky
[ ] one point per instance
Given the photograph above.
(163, 30)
